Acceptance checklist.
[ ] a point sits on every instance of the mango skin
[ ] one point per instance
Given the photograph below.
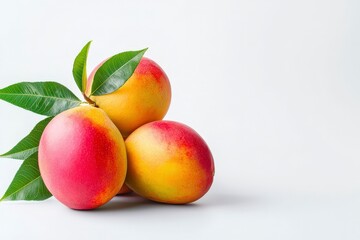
(82, 158)
(168, 162)
(145, 97)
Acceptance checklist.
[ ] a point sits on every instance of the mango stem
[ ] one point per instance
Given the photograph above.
(89, 100)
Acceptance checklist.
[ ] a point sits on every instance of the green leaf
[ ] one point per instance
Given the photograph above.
(27, 183)
(115, 72)
(29, 144)
(79, 67)
(46, 98)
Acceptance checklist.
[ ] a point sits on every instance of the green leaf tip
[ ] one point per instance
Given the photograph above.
(29, 144)
(79, 67)
(115, 71)
(27, 183)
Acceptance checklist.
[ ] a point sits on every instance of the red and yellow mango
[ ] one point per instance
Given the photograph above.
(82, 158)
(168, 162)
(145, 97)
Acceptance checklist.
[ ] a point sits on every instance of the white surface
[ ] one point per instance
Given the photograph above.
(218, 216)
(272, 86)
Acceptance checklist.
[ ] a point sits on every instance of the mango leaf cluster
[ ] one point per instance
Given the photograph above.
(51, 98)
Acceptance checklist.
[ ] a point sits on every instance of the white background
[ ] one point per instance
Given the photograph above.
(272, 86)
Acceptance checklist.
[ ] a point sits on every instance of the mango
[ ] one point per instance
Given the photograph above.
(168, 162)
(145, 97)
(82, 158)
